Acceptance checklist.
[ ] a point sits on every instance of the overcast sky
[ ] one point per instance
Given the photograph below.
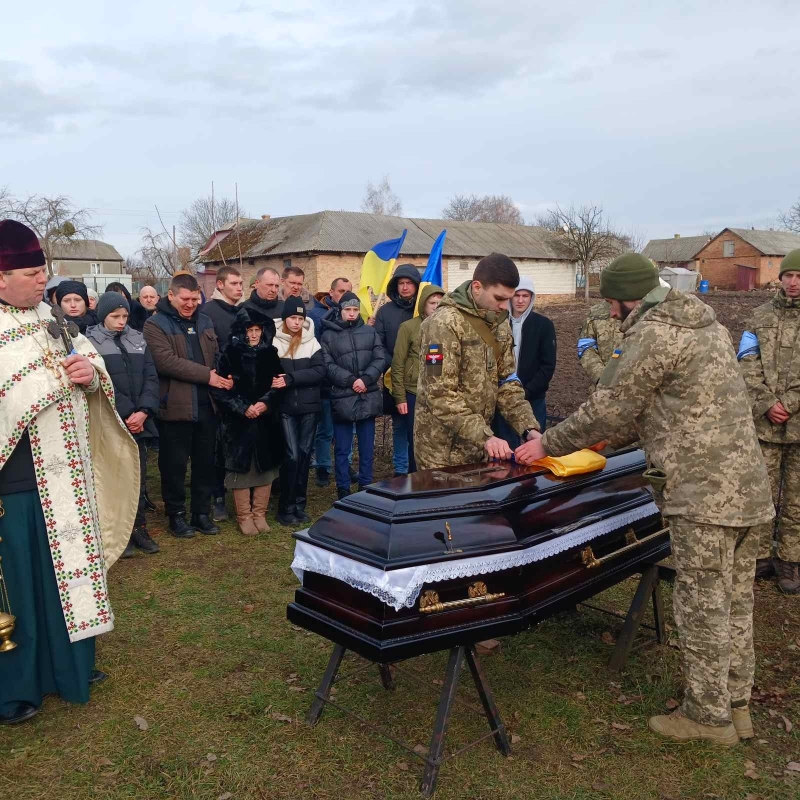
(674, 119)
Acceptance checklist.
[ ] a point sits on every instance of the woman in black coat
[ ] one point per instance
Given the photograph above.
(250, 435)
(354, 359)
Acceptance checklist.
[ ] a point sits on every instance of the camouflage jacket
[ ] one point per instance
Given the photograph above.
(769, 357)
(674, 384)
(461, 384)
(600, 335)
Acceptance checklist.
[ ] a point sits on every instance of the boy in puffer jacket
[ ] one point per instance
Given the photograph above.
(303, 373)
(354, 360)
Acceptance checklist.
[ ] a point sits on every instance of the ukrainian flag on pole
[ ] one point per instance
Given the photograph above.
(433, 272)
(376, 269)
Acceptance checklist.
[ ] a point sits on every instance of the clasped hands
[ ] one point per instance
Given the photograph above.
(778, 414)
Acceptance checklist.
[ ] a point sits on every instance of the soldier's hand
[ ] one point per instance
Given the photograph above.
(498, 448)
(778, 414)
(529, 452)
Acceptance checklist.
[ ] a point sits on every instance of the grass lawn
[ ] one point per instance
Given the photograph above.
(203, 654)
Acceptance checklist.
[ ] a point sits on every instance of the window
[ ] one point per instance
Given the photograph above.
(728, 248)
(55, 267)
(463, 265)
(95, 268)
(287, 262)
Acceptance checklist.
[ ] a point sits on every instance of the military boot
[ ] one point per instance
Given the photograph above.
(788, 576)
(742, 722)
(764, 568)
(682, 729)
(142, 539)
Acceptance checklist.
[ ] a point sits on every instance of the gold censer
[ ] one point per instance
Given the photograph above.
(7, 619)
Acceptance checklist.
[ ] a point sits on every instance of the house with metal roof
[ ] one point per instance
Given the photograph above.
(744, 258)
(332, 244)
(679, 251)
(86, 257)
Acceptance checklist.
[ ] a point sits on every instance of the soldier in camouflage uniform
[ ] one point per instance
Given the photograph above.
(769, 357)
(467, 372)
(674, 384)
(600, 336)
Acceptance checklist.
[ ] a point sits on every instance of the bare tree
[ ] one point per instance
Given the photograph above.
(203, 217)
(5, 198)
(488, 208)
(586, 236)
(55, 220)
(381, 199)
(157, 257)
(790, 220)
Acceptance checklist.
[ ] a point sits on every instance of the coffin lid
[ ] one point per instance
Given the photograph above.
(489, 508)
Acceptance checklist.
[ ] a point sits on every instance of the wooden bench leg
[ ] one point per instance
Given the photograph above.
(487, 700)
(644, 591)
(386, 677)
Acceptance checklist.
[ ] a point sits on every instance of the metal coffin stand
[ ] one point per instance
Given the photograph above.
(408, 522)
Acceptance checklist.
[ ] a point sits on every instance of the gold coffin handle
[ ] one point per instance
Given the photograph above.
(591, 562)
(478, 593)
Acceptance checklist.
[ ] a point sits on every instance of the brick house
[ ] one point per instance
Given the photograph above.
(332, 244)
(744, 258)
(678, 252)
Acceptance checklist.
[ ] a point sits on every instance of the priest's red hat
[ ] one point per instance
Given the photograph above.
(19, 247)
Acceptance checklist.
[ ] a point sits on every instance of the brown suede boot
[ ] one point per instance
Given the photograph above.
(260, 503)
(743, 722)
(244, 514)
(682, 729)
(788, 576)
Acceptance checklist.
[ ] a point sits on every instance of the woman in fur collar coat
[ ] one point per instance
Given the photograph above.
(250, 437)
(304, 372)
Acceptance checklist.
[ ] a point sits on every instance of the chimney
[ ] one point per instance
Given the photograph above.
(676, 236)
(265, 216)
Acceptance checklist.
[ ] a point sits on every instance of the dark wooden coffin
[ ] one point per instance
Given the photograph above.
(482, 517)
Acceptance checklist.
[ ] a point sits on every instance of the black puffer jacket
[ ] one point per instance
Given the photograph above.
(138, 314)
(252, 370)
(221, 313)
(304, 372)
(353, 350)
(133, 373)
(85, 321)
(397, 311)
(268, 308)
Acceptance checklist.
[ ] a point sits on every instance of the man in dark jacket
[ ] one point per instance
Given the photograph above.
(402, 297)
(133, 373)
(264, 297)
(184, 346)
(354, 359)
(535, 351)
(327, 308)
(221, 309)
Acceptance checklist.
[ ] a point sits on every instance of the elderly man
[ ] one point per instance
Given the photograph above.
(59, 530)
(769, 357)
(148, 297)
(184, 347)
(264, 297)
(674, 384)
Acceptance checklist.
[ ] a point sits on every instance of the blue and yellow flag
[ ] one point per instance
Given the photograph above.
(433, 272)
(376, 269)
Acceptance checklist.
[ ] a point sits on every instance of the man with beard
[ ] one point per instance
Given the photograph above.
(674, 384)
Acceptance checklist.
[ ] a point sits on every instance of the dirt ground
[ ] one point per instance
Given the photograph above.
(570, 387)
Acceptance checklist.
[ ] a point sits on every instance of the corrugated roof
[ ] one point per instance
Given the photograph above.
(672, 251)
(770, 243)
(356, 232)
(85, 250)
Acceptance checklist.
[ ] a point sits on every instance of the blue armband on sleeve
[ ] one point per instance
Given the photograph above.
(748, 346)
(512, 377)
(586, 344)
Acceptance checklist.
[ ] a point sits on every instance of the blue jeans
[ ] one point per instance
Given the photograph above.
(400, 442)
(411, 399)
(322, 444)
(343, 449)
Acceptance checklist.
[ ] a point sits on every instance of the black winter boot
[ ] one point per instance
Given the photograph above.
(219, 512)
(179, 527)
(323, 476)
(141, 538)
(130, 549)
(764, 568)
(342, 492)
(202, 523)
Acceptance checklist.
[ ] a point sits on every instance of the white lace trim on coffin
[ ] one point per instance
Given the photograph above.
(401, 587)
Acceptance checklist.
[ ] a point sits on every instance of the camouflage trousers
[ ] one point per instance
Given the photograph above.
(783, 464)
(713, 609)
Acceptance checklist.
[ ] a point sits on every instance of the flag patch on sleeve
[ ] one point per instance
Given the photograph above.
(434, 356)
(617, 353)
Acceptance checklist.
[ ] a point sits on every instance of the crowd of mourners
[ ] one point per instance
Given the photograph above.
(271, 386)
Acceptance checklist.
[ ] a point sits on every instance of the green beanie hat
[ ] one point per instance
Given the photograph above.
(628, 277)
(791, 262)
